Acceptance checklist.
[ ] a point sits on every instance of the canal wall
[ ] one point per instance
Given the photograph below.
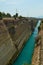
(21, 43)
(6, 45)
(9, 48)
(41, 46)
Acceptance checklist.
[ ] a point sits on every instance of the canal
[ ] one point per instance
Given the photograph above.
(25, 56)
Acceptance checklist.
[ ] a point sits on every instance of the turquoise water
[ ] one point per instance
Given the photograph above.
(26, 54)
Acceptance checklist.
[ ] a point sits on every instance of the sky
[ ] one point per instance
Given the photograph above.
(28, 8)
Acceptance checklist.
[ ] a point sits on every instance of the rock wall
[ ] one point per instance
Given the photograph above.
(7, 49)
(12, 41)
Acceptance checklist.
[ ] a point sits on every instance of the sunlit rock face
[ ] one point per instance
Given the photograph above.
(13, 33)
(6, 45)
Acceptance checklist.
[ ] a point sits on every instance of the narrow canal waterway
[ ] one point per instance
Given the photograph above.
(26, 54)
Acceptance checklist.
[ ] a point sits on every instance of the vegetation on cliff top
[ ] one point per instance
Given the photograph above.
(4, 15)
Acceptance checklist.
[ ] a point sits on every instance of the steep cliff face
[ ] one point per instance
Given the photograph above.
(41, 46)
(6, 45)
(13, 34)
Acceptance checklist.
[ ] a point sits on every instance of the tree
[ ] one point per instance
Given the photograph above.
(8, 15)
(3, 14)
(20, 17)
(0, 15)
(15, 16)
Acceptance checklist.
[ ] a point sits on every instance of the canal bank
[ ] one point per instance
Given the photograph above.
(36, 54)
(25, 56)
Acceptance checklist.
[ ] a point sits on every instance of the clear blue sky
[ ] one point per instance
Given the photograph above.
(23, 7)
